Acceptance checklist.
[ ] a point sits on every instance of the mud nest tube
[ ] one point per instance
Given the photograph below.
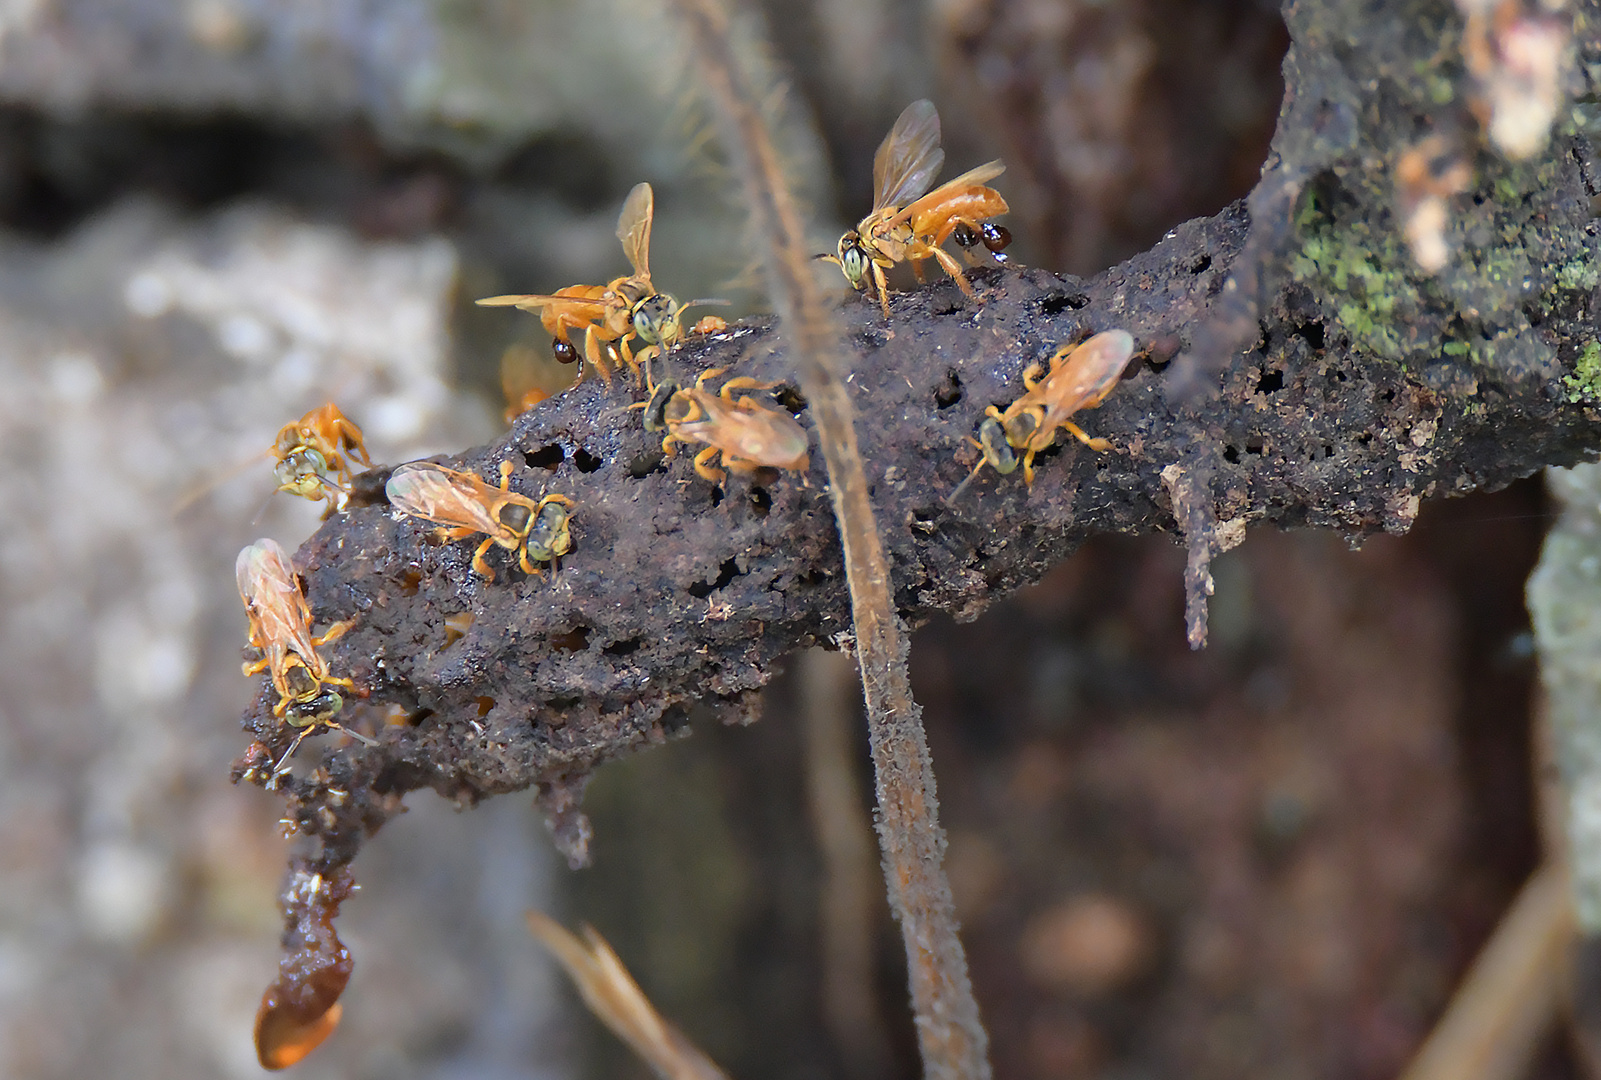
(1303, 371)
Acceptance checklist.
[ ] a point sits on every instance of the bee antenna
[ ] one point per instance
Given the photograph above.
(950, 499)
(262, 509)
(358, 736)
(278, 769)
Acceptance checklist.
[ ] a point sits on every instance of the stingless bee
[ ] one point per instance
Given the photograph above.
(906, 225)
(464, 505)
(611, 315)
(1081, 377)
(748, 434)
(280, 627)
(310, 455)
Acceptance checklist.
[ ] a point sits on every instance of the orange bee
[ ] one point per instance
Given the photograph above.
(748, 434)
(310, 454)
(1081, 377)
(613, 314)
(280, 627)
(906, 225)
(464, 505)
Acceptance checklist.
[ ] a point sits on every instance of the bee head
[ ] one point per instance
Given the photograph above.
(655, 320)
(853, 259)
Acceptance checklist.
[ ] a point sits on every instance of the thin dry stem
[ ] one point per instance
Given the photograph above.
(1509, 998)
(619, 1003)
(950, 1035)
(850, 907)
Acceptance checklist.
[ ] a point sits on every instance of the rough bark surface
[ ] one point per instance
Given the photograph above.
(1304, 372)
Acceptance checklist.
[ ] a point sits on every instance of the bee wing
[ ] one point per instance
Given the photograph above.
(442, 496)
(1094, 367)
(263, 570)
(633, 228)
(769, 437)
(909, 157)
(983, 174)
(535, 301)
(272, 596)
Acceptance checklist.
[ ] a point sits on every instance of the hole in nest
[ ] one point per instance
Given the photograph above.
(1312, 333)
(586, 462)
(563, 702)
(456, 627)
(623, 648)
(811, 577)
(546, 457)
(725, 573)
(1201, 265)
(1231, 454)
(717, 496)
(642, 465)
(949, 392)
(1365, 439)
(484, 705)
(942, 310)
(1056, 303)
(1255, 446)
(1271, 382)
(789, 398)
(574, 640)
(1387, 395)
(1328, 450)
(760, 501)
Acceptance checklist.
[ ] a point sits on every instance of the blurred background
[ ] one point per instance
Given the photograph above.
(1269, 859)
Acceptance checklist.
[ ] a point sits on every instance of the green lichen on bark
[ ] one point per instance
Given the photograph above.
(1523, 260)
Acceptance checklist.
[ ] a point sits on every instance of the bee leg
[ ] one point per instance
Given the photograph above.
(454, 532)
(1028, 468)
(743, 382)
(670, 445)
(883, 287)
(954, 269)
(593, 357)
(917, 268)
(506, 468)
(253, 667)
(709, 373)
(705, 468)
(522, 560)
(1031, 376)
(482, 567)
(333, 633)
(1092, 443)
(350, 440)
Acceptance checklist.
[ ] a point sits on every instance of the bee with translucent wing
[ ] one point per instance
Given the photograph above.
(610, 316)
(280, 628)
(1081, 376)
(311, 452)
(906, 225)
(747, 434)
(464, 505)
